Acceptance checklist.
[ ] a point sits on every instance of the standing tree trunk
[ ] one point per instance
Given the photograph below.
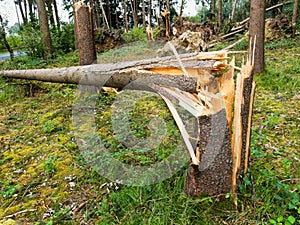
(134, 12)
(220, 13)
(84, 34)
(294, 19)
(125, 18)
(24, 18)
(50, 13)
(150, 13)
(3, 37)
(31, 12)
(181, 8)
(56, 15)
(104, 14)
(233, 10)
(213, 9)
(25, 9)
(45, 32)
(144, 13)
(256, 53)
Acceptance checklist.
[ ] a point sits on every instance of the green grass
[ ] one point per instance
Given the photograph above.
(42, 167)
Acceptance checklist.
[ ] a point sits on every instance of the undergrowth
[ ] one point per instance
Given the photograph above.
(44, 173)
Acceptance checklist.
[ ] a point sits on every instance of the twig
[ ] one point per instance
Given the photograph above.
(17, 213)
(80, 207)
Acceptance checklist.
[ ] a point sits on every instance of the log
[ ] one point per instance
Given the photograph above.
(164, 70)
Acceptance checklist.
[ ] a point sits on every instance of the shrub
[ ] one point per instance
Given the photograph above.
(135, 34)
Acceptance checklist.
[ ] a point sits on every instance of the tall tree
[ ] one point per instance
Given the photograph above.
(233, 10)
(256, 53)
(144, 13)
(133, 4)
(181, 7)
(213, 9)
(31, 9)
(150, 13)
(3, 38)
(56, 15)
(84, 34)
(125, 17)
(220, 12)
(45, 32)
(50, 12)
(294, 19)
(23, 14)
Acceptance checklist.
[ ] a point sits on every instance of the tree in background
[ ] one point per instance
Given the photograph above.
(45, 32)
(3, 38)
(257, 35)
(294, 19)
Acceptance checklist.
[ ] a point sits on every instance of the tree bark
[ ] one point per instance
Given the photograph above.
(150, 13)
(213, 9)
(220, 13)
(84, 33)
(56, 14)
(257, 35)
(3, 36)
(50, 12)
(233, 10)
(134, 12)
(24, 17)
(124, 73)
(181, 8)
(294, 18)
(45, 32)
(125, 17)
(144, 13)
(213, 177)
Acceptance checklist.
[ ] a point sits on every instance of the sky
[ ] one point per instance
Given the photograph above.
(8, 11)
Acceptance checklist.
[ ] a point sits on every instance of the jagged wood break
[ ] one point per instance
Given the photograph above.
(203, 84)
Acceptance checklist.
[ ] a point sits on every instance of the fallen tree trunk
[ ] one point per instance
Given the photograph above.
(119, 75)
(219, 151)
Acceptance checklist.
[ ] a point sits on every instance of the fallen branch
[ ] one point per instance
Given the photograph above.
(17, 213)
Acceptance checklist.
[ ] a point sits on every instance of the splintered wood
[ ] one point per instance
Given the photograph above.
(201, 83)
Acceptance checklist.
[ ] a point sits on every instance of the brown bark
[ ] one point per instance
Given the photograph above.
(233, 10)
(56, 14)
(45, 32)
(134, 12)
(213, 175)
(213, 9)
(24, 17)
(3, 35)
(84, 34)
(144, 13)
(181, 7)
(150, 13)
(294, 18)
(257, 35)
(220, 13)
(125, 18)
(50, 12)
(124, 73)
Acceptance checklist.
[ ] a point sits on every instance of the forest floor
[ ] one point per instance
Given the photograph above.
(44, 177)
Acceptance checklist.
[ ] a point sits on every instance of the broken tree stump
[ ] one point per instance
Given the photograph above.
(221, 106)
